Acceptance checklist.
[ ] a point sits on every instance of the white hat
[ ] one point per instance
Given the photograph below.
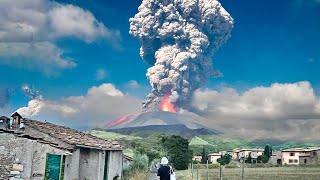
(164, 160)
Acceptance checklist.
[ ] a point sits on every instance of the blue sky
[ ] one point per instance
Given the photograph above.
(272, 42)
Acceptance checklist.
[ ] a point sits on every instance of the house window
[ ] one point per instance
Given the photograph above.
(305, 161)
(296, 161)
(291, 154)
(314, 153)
(290, 161)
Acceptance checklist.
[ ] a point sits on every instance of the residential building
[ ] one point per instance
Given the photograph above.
(300, 156)
(276, 158)
(31, 149)
(237, 154)
(213, 157)
(197, 158)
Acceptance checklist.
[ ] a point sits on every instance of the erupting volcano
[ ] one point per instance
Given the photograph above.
(167, 105)
(178, 39)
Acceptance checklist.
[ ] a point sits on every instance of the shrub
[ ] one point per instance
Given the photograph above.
(139, 165)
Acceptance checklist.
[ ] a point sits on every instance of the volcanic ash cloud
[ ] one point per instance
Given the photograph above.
(178, 38)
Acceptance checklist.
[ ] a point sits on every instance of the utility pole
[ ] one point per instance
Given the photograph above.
(242, 174)
(207, 169)
(220, 169)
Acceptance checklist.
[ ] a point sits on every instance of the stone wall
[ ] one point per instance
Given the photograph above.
(92, 163)
(23, 158)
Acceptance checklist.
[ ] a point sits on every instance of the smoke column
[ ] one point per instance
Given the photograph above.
(178, 38)
(35, 105)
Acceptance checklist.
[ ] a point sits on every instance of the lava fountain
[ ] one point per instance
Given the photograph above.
(166, 104)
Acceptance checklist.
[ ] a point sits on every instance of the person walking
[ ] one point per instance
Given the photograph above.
(164, 171)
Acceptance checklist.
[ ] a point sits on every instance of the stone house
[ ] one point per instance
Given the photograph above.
(31, 149)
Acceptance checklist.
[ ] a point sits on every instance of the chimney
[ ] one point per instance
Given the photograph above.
(16, 120)
(4, 122)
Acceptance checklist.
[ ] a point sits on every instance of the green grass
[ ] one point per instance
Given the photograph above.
(271, 173)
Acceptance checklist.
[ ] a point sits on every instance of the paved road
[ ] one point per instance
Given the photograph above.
(153, 174)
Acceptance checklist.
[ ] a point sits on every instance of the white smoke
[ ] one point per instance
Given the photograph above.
(35, 105)
(179, 38)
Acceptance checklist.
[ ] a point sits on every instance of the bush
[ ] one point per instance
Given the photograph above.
(226, 159)
(137, 167)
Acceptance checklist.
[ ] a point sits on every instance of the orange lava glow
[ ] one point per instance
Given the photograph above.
(119, 121)
(167, 105)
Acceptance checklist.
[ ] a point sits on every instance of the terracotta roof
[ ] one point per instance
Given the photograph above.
(71, 136)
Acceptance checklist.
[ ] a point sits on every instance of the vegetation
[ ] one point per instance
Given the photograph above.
(249, 158)
(266, 173)
(178, 151)
(138, 166)
(226, 159)
(268, 151)
(263, 159)
(204, 156)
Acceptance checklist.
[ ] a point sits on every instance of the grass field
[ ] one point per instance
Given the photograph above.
(272, 173)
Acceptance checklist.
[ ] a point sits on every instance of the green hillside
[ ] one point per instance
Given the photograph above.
(212, 143)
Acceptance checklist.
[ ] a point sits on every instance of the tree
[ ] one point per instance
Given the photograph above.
(178, 151)
(249, 158)
(204, 156)
(226, 159)
(267, 151)
(263, 159)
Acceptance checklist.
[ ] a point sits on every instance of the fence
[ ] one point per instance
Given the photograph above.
(211, 173)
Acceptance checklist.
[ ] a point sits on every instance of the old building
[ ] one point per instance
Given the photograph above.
(31, 149)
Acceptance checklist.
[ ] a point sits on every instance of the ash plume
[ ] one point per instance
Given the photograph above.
(178, 38)
(35, 105)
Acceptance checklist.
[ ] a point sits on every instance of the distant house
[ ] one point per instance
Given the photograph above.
(197, 158)
(213, 157)
(31, 149)
(300, 156)
(276, 158)
(237, 154)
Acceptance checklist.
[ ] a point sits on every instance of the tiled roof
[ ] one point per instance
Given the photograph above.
(301, 149)
(71, 136)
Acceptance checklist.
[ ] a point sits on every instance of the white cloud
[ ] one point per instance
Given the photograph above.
(262, 111)
(132, 84)
(69, 20)
(101, 74)
(29, 29)
(100, 104)
(41, 55)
